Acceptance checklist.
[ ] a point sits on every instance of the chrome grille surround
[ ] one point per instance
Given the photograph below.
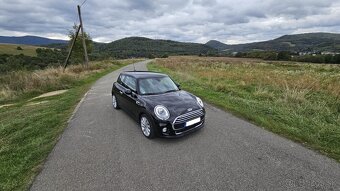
(187, 117)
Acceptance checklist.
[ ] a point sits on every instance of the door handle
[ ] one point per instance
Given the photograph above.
(120, 92)
(138, 103)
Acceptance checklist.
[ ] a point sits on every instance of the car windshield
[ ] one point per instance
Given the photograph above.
(156, 85)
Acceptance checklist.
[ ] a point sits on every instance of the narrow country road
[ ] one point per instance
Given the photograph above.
(104, 149)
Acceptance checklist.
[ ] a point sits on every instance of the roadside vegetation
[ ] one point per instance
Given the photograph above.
(20, 84)
(29, 128)
(298, 101)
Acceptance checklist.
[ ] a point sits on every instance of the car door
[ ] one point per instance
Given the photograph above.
(119, 89)
(131, 83)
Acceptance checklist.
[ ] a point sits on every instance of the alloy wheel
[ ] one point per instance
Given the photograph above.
(145, 125)
(114, 101)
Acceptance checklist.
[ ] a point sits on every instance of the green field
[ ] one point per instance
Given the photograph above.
(294, 100)
(12, 49)
(29, 129)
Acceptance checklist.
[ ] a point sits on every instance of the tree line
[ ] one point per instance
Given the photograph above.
(291, 56)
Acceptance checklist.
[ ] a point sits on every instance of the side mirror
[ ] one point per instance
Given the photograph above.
(128, 91)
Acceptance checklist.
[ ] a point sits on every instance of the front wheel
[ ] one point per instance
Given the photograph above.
(115, 102)
(147, 127)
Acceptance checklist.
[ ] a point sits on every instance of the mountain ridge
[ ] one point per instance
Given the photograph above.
(296, 43)
(30, 40)
(137, 46)
(146, 47)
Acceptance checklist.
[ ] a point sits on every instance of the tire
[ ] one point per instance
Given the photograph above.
(147, 126)
(115, 102)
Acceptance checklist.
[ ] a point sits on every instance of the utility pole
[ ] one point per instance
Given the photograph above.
(83, 37)
(70, 51)
(86, 62)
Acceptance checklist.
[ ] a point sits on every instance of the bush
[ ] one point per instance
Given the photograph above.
(284, 55)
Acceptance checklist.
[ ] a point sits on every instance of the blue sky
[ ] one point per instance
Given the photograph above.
(191, 21)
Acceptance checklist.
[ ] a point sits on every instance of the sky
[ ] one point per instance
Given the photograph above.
(229, 21)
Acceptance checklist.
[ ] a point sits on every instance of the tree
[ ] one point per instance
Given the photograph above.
(283, 55)
(78, 51)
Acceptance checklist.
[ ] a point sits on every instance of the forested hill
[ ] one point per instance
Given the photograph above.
(145, 47)
(30, 40)
(295, 43)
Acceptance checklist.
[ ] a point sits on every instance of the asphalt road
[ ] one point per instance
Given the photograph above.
(104, 149)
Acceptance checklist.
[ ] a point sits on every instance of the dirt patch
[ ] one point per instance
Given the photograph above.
(50, 94)
(36, 103)
(7, 105)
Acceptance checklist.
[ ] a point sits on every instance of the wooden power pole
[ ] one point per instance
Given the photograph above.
(83, 37)
(72, 45)
(86, 62)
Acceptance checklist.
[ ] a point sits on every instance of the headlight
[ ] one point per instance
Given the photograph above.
(199, 101)
(162, 112)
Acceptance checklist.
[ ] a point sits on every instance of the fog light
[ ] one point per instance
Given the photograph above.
(164, 130)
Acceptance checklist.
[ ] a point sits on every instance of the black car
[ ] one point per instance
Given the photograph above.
(158, 104)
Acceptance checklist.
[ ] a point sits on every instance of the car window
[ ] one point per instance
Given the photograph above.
(130, 82)
(156, 85)
(120, 79)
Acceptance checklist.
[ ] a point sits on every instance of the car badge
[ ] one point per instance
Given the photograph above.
(190, 109)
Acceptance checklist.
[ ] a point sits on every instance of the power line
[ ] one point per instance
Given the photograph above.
(83, 2)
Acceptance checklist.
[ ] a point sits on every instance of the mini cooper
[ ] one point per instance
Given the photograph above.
(158, 104)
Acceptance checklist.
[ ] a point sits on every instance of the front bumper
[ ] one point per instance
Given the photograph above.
(183, 133)
(173, 133)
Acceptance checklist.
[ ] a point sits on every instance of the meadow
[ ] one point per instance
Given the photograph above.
(299, 101)
(29, 128)
(27, 50)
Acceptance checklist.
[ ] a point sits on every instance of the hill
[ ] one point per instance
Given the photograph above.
(27, 50)
(217, 45)
(30, 40)
(307, 42)
(145, 47)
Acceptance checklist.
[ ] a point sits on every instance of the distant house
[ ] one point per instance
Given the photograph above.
(308, 53)
(234, 53)
(329, 53)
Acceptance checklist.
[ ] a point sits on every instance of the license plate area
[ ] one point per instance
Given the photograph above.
(191, 122)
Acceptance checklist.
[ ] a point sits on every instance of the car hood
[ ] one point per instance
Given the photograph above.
(177, 102)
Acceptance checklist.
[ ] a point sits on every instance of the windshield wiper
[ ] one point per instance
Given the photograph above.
(170, 91)
(151, 94)
(160, 92)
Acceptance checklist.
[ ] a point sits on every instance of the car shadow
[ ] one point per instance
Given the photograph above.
(176, 140)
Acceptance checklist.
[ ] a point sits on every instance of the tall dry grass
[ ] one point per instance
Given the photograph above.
(14, 84)
(299, 101)
(296, 80)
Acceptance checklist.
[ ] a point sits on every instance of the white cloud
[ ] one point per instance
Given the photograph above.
(194, 20)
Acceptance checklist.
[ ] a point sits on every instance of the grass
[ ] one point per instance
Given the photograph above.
(29, 132)
(12, 49)
(298, 101)
(21, 84)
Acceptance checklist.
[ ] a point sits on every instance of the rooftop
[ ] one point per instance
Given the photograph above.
(143, 74)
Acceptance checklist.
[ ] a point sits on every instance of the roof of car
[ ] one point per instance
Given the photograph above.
(143, 74)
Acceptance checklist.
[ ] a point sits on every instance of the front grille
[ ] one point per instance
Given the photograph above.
(180, 120)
